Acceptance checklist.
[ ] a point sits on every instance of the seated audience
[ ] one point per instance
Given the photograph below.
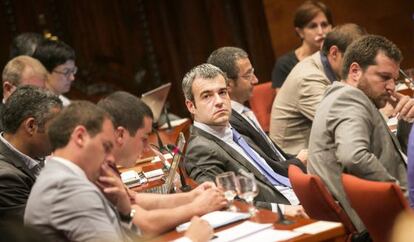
(312, 21)
(59, 60)
(349, 134)
(26, 114)
(241, 78)
(25, 44)
(132, 120)
(65, 204)
(215, 147)
(295, 104)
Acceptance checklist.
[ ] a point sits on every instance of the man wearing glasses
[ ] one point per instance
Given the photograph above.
(236, 64)
(59, 59)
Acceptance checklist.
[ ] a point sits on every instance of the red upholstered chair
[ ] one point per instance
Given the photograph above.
(261, 103)
(376, 203)
(317, 201)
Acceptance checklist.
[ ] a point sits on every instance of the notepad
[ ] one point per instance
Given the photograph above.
(250, 231)
(217, 219)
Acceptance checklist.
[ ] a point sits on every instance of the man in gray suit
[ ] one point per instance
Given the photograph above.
(349, 133)
(215, 147)
(295, 103)
(26, 114)
(65, 204)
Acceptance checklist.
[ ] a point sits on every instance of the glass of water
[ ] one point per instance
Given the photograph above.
(228, 183)
(248, 191)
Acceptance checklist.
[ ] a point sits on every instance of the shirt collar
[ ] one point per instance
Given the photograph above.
(69, 164)
(29, 161)
(238, 107)
(327, 68)
(217, 131)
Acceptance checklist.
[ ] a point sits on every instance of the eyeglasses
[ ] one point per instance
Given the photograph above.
(67, 72)
(249, 75)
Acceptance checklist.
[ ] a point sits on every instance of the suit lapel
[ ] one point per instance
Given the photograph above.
(234, 154)
(12, 158)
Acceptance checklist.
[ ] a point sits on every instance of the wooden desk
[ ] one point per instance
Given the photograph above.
(266, 216)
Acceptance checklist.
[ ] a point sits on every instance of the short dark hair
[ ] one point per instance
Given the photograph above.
(365, 50)
(28, 101)
(126, 110)
(308, 10)
(77, 113)
(52, 53)
(342, 36)
(203, 71)
(225, 58)
(25, 44)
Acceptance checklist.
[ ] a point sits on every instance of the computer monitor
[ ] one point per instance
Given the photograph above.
(156, 99)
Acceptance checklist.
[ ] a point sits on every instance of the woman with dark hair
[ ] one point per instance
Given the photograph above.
(313, 20)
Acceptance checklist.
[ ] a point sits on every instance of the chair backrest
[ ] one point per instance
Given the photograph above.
(261, 103)
(316, 200)
(376, 203)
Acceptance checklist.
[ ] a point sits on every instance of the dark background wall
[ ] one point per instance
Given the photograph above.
(137, 45)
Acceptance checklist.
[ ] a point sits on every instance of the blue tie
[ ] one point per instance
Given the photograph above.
(272, 176)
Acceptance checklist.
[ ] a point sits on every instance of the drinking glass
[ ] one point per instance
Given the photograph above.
(248, 191)
(227, 182)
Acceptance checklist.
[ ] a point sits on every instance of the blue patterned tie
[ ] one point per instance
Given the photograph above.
(272, 176)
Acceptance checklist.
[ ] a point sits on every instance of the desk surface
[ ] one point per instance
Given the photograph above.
(266, 216)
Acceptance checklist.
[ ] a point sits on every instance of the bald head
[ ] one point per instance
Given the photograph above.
(22, 70)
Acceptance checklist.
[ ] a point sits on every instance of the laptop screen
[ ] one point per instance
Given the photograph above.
(156, 98)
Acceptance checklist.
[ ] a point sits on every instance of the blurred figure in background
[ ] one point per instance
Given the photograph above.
(313, 20)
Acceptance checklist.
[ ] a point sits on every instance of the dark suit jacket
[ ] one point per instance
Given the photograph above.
(246, 129)
(207, 156)
(16, 181)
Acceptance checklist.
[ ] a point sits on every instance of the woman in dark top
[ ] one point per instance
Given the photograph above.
(313, 20)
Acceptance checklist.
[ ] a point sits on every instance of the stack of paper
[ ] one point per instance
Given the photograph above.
(217, 219)
(250, 231)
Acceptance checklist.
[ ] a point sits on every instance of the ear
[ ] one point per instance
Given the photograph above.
(299, 31)
(190, 106)
(354, 73)
(230, 85)
(334, 52)
(120, 135)
(30, 126)
(8, 89)
(79, 136)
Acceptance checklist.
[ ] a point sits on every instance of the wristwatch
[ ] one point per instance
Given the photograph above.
(128, 218)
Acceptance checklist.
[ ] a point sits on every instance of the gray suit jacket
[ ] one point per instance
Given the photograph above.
(295, 104)
(67, 207)
(207, 156)
(350, 135)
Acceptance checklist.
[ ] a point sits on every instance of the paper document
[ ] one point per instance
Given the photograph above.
(242, 231)
(217, 219)
(317, 227)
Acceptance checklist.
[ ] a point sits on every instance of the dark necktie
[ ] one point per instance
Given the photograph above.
(249, 115)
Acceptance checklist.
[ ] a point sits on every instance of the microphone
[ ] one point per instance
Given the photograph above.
(282, 219)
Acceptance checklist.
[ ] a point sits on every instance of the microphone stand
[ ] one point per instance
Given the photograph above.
(282, 219)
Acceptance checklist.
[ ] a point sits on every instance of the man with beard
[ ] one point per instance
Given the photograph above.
(348, 133)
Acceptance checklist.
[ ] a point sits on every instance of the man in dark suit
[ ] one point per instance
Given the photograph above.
(26, 115)
(241, 78)
(215, 147)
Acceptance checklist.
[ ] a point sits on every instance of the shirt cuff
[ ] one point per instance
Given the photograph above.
(274, 207)
(183, 239)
